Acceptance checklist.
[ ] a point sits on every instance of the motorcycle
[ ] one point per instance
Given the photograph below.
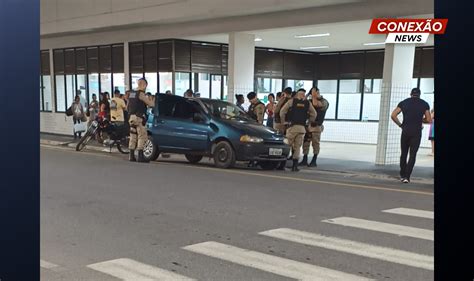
(105, 131)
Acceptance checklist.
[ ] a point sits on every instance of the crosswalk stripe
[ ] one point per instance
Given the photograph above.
(47, 265)
(411, 212)
(269, 263)
(131, 270)
(400, 230)
(352, 247)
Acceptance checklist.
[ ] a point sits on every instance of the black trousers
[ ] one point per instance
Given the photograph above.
(409, 143)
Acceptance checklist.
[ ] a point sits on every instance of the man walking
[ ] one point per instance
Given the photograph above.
(137, 107)
(415, 112)
(313, 135)
(300, 110)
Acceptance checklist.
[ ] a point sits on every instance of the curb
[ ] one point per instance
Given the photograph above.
(348, 173)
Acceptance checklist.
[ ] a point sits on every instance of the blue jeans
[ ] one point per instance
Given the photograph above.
(270, 122)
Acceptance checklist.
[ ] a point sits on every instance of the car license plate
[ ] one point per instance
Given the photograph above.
(275, 151)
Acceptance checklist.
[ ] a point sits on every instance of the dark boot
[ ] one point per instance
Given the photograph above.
(313, 161)
(304, 161)
(131, 156)
(141, 157)
(295, 166)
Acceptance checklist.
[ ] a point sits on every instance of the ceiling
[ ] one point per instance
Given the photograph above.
(343, 36)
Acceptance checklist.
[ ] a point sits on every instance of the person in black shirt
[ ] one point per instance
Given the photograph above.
(415, 112)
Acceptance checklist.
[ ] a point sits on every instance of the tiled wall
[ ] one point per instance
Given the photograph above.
(336, 131)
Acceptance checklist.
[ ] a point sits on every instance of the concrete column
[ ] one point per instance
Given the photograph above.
(241, 64)
(126, 65)
(53, 89)
(396, 86)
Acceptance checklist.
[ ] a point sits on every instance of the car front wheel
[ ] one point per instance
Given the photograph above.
(150, 150)
(224, 155)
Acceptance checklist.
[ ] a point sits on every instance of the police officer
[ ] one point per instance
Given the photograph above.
(257, 108)
(137, 107)
(315, 128)
(284, 98)
(299, 111)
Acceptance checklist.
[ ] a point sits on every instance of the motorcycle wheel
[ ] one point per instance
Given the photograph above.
(84, 140)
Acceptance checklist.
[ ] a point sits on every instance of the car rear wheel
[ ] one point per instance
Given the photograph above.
(150, 150)
(224, 155)
(268, 165)
(193, 159)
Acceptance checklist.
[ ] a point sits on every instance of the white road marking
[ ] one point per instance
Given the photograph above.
(280, 266)
(47, 265)
(411, 212)
(131, 270)
(400, 230)
(352, 247)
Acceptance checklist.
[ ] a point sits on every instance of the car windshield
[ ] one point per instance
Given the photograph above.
(225, 110)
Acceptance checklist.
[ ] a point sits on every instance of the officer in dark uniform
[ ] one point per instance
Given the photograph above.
(257, 108)
(137, 108)
(300, 111)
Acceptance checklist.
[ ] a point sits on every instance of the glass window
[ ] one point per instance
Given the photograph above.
(427, 90)
(224, 95)
(70, 89)
(41, 93)
(152, 79)
(166, 82)
(47, 93)
(93, 85)
(203, 85)
(182, 80)
(60, 94)
(328, 89)
(298, 84)
(263, 86)
(277, 86)
(135, 77)
(184, 110)
(165, 106)
(82, 86)
(349, 99)
(371, 104)
(106, 82)
(414, 83)
(216, 83)
(119, 82)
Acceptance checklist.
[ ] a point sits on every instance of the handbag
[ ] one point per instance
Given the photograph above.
(84, 118)
(69, 111)
(80, 127)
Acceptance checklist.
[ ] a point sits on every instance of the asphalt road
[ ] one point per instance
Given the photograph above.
(104, 218)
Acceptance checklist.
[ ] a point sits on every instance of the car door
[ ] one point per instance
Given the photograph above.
(163, 122)
(191, 127)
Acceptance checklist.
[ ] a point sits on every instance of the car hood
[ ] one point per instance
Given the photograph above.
(254, 129)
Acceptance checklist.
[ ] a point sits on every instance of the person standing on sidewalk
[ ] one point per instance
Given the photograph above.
(137, 107)
(299, 111)
(257, 108)
(415, 112)
(313, 135)
(78, 114)
(93, 109)
(270, 108)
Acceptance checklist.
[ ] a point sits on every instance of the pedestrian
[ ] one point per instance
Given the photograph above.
(431, 133)
(313, 134)
(299, 110)
(137, 107)
(269, 108)
(189, 93)
(117, 108)
(93, 109)
(240, 100)
(78, 115)
(83, 101)
(415, 112)
(257, 108)
(104, 106)
(278, 96)
(284, 98)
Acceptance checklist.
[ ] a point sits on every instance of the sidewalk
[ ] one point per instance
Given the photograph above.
(334, 157)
